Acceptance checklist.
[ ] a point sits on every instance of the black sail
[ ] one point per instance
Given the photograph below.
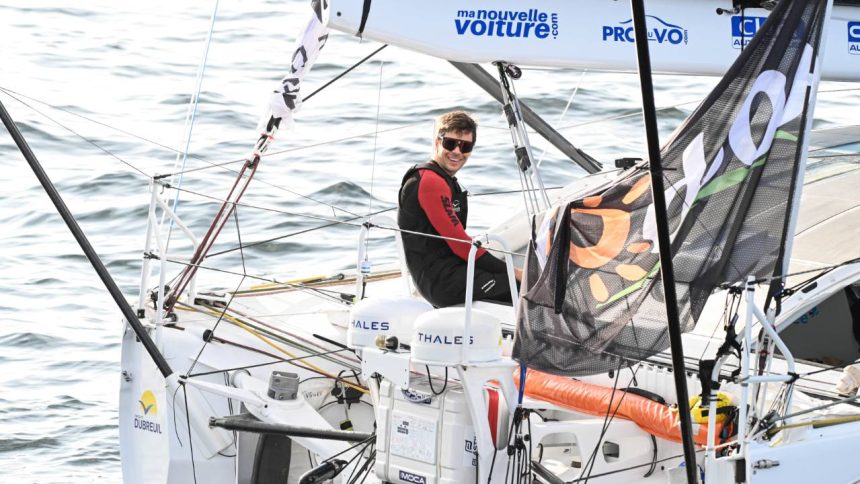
(592, 296)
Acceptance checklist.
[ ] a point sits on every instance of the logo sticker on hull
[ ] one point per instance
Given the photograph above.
(659, 31)
(145, 418)
(854, 38)
(518, 24)
(744, 29)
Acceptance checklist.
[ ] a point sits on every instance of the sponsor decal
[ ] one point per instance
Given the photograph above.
(147, 410)
(371, 325)
(659, 31)
(443, 339)
(148, 404)
(403, 427)
(531, 23)
(854, 38)
(416, 397)
(744, 29)
(471, 451)
(449, 211)
(413, 478)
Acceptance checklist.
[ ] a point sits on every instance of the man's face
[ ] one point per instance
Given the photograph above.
(452, 160)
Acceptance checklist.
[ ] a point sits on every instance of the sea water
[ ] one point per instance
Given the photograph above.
(100, 89)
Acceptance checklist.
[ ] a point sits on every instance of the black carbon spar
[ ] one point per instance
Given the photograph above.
(92, 256)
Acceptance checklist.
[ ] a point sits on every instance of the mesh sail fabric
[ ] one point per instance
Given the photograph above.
(731, 170)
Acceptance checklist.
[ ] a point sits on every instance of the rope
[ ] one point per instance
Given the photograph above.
(309, 366)
(320, 292)
(259, 365)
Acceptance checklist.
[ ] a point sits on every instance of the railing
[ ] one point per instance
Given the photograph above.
(748, 346)
(363, 266)
(153, 236)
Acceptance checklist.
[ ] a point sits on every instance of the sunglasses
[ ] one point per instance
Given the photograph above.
(451, 143)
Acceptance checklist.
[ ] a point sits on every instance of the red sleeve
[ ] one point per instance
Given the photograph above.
(434, 196)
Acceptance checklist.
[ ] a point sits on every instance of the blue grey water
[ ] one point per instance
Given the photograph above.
(100, 89)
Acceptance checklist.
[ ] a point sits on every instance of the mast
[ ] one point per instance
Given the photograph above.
(649, 114)
(79, 235)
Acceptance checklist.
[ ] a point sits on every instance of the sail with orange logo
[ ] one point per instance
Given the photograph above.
(593, 293)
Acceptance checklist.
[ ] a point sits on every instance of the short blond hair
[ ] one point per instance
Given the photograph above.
(456, 121)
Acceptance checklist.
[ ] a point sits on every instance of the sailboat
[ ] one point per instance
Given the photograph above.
(245, 383)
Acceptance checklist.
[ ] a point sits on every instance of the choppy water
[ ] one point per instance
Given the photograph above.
(131, 66)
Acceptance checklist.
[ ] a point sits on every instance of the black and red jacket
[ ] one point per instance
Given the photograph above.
(432, 202)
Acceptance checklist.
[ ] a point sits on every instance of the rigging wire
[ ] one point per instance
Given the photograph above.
(304, 365)
(330, 224)
(345, 72)
(239, 237)
(802, 376)
(278, 361)
(279, 335)
(564, 111)
(258, 151)
(334, 295)
(217, 323)
(351, 223)
(367, 469)
(184, 153)
(141, 171)
(828, 268)
(10, 93)
(365, 442)
(292, 338)
(211, 164)
(301, 148)
(375, 139)
(190, 117)
(96, 145)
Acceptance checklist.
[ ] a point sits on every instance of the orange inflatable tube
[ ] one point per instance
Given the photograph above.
(653, 417)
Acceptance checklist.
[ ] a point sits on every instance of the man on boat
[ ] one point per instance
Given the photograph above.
(432, 202)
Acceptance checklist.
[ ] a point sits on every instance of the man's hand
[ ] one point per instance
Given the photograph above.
(518, 274)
